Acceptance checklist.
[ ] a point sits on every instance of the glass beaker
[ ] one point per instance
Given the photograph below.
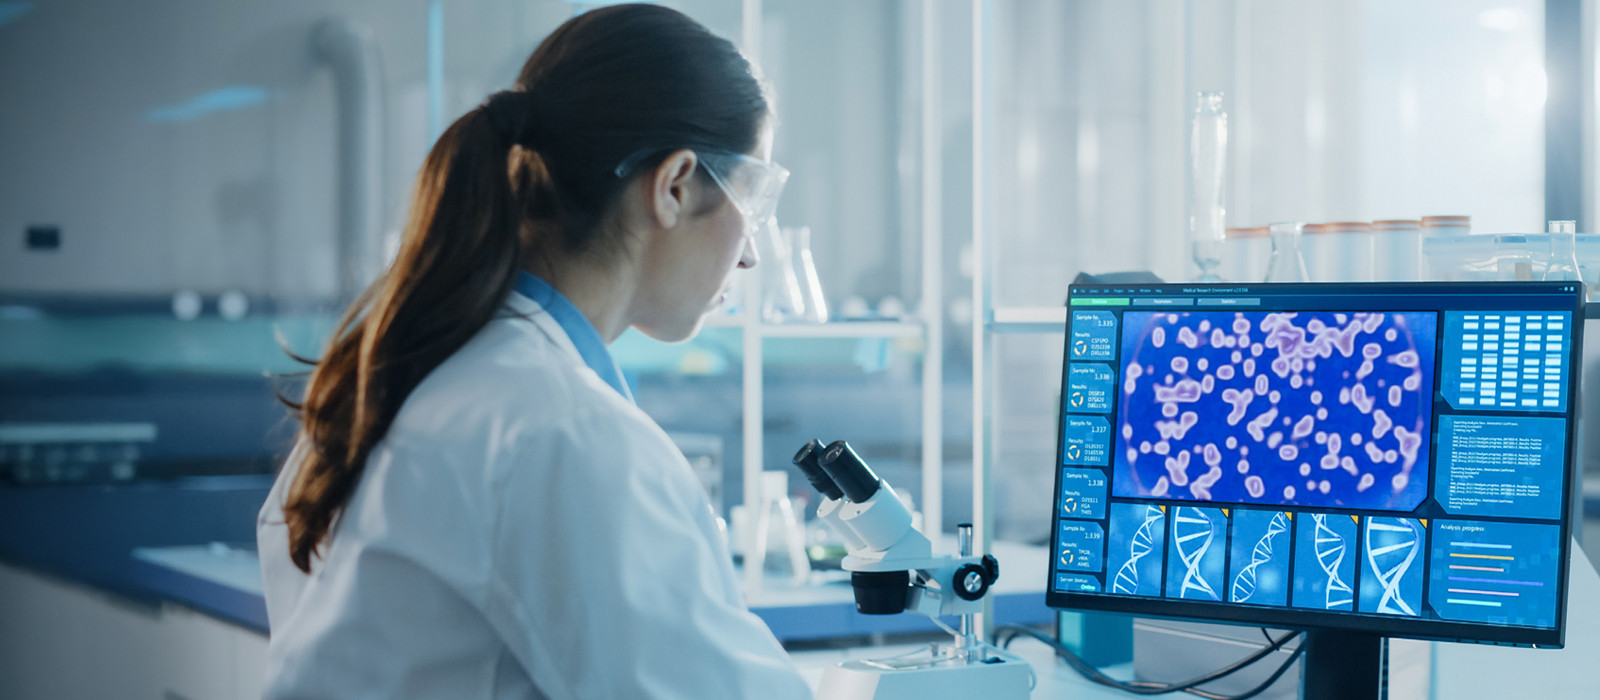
(1562, 265)
(781, 297)
(1286, 265)
(1208, 156)
(815, 307)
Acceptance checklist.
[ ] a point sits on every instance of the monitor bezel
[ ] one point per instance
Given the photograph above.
(1284, 617)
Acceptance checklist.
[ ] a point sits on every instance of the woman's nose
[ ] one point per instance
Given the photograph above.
(749, 257)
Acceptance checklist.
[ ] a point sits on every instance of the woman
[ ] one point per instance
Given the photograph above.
(475, 507)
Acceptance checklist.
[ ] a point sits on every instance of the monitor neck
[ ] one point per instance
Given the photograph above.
(1344, 665)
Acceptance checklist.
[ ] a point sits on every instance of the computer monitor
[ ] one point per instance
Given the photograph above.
(1356, 460)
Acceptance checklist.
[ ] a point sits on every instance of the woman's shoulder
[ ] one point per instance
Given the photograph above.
(512, 377)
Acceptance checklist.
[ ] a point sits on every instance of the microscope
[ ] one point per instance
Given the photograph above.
(893, 569)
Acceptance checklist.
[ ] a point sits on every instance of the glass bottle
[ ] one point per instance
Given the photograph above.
(1286, 264)
(1208, 151)
(1563, 260)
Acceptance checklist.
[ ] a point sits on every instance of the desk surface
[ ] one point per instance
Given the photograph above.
(226, 581)
(1448, 671)
(191, 542)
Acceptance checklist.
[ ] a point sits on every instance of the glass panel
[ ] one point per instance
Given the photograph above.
(1027, 408)
(1337, 112)
(847, 115)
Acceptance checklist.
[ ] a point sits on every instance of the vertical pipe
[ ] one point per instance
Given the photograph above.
(752, 403)
(932, 280)
(1563, 111)
(969, 639)
(750, 29)
(435, 69)
(1586, 76)
(351, 51)
(1239, 188)
(1588, 79)
(981, 312)
(1189, 269)
(752, 370)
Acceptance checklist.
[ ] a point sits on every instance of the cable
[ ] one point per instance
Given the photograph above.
(1004, 634)
(1010, 632)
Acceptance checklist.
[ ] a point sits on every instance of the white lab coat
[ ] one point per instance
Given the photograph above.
(523, 531)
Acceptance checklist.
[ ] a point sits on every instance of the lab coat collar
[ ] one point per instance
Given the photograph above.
(579, 330)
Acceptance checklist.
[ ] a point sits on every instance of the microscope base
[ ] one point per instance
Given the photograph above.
(1003, 679)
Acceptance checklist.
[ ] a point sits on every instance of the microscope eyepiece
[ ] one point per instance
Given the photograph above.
(807, 459)
(852, 475)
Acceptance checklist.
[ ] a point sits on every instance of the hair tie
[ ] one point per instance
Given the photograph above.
(512, 113)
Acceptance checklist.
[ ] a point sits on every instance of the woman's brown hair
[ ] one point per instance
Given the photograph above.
(533, 169)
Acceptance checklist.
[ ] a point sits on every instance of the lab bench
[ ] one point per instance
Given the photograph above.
(161, 580)
(158, 583)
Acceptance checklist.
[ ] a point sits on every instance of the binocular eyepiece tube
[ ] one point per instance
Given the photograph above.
(807, 459)
(836, 471)
(849, 473)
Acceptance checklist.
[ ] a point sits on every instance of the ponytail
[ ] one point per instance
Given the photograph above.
(457, 261)
(531, 164)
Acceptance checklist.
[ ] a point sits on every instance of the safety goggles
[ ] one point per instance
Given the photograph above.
(753, 185)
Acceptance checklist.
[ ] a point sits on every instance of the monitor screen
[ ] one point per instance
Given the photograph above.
(1384, 458)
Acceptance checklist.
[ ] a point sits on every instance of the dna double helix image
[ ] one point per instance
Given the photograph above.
(1391, 581)
(1137, 534)
(1263, 552)
(1198, 553)
(1330, 554)
(1325, 558)
(1325, 561)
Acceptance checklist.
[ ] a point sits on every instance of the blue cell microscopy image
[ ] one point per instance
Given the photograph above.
(1135, 549)
(1197, 559)
(1260, 556)
(1324, 561)
(1322, 409)
(1392, 556)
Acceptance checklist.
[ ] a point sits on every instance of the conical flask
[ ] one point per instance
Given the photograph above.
(1563, 262)
(1286, 265)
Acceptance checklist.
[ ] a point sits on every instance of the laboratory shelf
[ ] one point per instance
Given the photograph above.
(1028, 319)
(844, 329)
(832, 329)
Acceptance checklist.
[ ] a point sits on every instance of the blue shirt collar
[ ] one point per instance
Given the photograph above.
(578, 328)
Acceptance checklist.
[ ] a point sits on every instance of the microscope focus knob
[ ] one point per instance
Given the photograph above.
(970, 582)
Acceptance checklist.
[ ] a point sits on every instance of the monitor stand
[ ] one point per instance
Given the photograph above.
(1343, 665)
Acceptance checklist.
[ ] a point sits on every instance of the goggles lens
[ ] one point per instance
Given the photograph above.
(753, 185)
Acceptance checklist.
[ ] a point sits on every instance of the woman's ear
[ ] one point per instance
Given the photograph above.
(670, 192)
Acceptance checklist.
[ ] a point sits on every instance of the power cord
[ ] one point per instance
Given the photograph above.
(1005, 634)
